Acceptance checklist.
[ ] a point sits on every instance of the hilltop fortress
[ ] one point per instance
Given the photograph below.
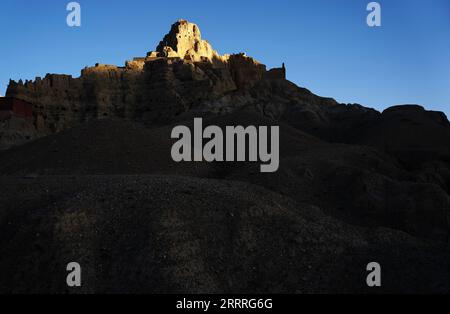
(183, 73)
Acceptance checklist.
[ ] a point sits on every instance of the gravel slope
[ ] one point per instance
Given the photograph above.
(155, 234)
(106, 194)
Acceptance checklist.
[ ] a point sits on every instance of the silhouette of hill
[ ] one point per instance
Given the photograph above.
(95, 183)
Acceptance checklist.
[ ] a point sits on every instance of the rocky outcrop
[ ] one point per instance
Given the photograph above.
(184, 72)
(185, 41)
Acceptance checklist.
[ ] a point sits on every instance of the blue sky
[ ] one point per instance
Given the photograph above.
(326, 44)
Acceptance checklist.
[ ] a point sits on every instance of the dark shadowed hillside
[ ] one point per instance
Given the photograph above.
(171, 234)
(92, 180)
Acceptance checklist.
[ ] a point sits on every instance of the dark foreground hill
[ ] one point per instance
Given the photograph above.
(108, 195)
(153, 234)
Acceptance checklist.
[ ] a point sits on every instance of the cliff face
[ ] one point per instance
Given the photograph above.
(183, 72)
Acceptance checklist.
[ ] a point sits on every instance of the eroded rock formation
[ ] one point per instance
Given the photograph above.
(184, 72)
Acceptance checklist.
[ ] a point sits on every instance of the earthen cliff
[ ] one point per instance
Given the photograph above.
(184, 72)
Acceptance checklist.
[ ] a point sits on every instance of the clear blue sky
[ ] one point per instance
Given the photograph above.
(326, 44)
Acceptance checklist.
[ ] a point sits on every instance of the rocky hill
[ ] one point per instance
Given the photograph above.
(182, 74)
(96, 184)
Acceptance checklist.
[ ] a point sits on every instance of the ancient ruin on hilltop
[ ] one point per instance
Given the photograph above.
(184, 72)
